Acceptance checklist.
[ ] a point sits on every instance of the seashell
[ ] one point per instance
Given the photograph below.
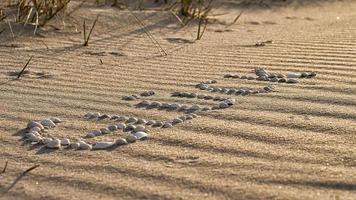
(140, 135)
(55, 120)
(94, 115)
(188, 117)
(231, 91)
(75, 145)
(177, 121)
(250, 78)
(194, 107)
(151, 122)
(104, 116)
(268, 88)
(176, 94)
(147, 93)
(282, 80)
(280, 76)
(144, 103)
(130, 127)
(274, 79)
(131, 138)
(230, 101)
(122, 118)
(135, 96)
(206, 109)
(247, 92)
(228, 76)
(216, 98)
(34, 124)
(260, 71)
(165, 105)
(262, 78)
(157, 124)
(128, 98)
(33, 137)
(88, 115)
(103, 145)
(192, 95)
(224, 90)
(121, 141)
(244, 77)
(210, 82)
(183, 117)
(208, 97)
(184, 94)
(132, 120)
(194, 115)
(304, 75)
(201, 96)
(155, 104)
(48, 123)
(203, 86)
(112, 128)
(223, 105)
(174, 106)
(139, 128)
(293, 75)
(235, 76)
(105, 131)
(184, 107)
(292, 81)
(65, 142)
(46, 140)
(35, 129)
(54, 144)
(84, 146)
(312, 74)
(121, 126)
(115, 117)
(141, 121)
(90, 135)
(167, 125)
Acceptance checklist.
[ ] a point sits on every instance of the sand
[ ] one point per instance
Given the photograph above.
(296, 143)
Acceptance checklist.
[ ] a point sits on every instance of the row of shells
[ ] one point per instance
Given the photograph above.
(198, 96)
(134, 96)
(34, 132)
(135, 125)
(234, 91)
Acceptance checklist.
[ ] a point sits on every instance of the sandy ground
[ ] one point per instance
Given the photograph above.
(297, 143)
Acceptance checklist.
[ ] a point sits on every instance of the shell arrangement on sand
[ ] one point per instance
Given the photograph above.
(130, 97)
(263, 75)
(233, 91)
(147, 93)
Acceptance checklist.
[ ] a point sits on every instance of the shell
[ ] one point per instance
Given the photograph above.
(103, 145)
(35, 129)
(132, 120)
(54, 144)
(292, 81)
(230, 101)
(121, 126)
(121, 141)
(144, 103)
(155, 104)
(282, 80)
(75, 145)
(84, 146)
(93, 134)
(157, 124)
(55, 120)
(174, 106)
(250, 78)
(104, 116)
(65, 141)
(208, 97)
(244, 77)
(177, 120)
(150, 122)
(140, 128)
(114, 117)
(140, 135)
(176, 94)
(94, 115)
(293, 75)
(48, 123)
(194, 107)
(184, 107)
(88, 115)
(201, 96)
(167, 125)
(112, 128)
(130, 127)
(147, 93)
(183, 117)
(33, 137)
(141, 121)
(105, 131)
(122, 118)
(131, 139)
(194, 115)
(275, 79)
(206, 109)
(34, 124)
(46, 140)
(128, 98)
(228, 76)
(223, 105)
(188, 117)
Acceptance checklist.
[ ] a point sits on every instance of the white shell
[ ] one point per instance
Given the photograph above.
(65, 141)
(223, 105)
(141, 121)
(46, 140)
(131, 139)
(105, 131)
(139, 128)
(140, 135)
(33, 137)
(75, 145)
(177, 120)
(54, 144)
(132, 120)
(122, 118)
(93, 134)
(48, 123)
(230, 101)
(35, 129)
(112, 128)
(121, 141)
(103, 145)
(121, 126)
(194, 107)
(292, 80)
(151, 122)
(83, 145)
(55, 120)
(167, 125)
(158, 123)
(88, 115)
(34, 124)
(293, 75)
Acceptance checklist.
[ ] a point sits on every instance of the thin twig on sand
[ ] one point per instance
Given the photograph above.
(24, 68)
(4, 170)
(235, 20)
(21, 176)
(86, 39)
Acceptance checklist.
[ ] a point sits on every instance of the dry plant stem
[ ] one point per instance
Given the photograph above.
(154, 41)
(235, 20)
(86, 42)
(21, 176)
(24, 68)
(202, 33)
(12, 32)
(84, 32)
(4, 170)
